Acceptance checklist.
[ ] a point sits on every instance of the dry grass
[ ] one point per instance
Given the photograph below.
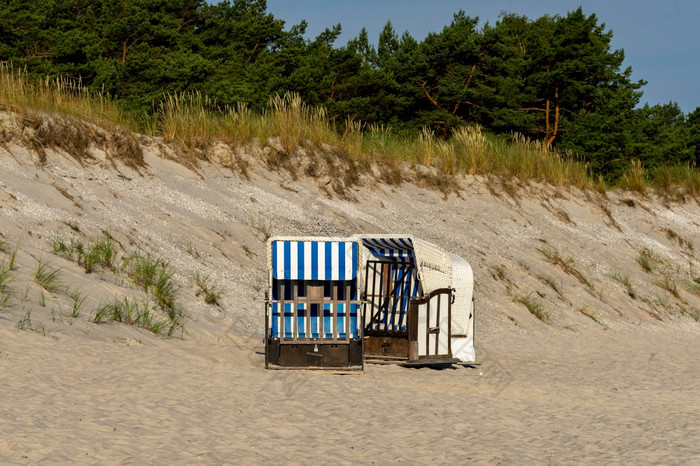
(288, 124)
(624, 280)
(196, 121)
(62, 114)
(678, 182)
(635, 178)
(669, 284)
(516, 157)
(58, 96)
(648, 260)
(210, 293)
(593, 316)
(567, 264)
(6, 290)
(533, 307)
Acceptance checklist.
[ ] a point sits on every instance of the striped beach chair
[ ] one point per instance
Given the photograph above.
(313, 312)
(418, 306)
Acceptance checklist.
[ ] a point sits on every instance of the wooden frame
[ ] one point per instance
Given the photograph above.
(382, 293)
(302, 349)
(427, 338)
(421, 347)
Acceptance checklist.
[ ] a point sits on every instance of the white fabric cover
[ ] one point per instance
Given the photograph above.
(463, 284)
(463, 349)
(434, 266)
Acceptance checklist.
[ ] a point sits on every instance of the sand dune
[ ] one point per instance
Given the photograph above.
(611, 377)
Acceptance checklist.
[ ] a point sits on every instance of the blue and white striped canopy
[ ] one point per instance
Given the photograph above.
(399, 249)
(314, 260)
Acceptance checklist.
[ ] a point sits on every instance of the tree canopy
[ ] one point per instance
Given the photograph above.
(554, 78)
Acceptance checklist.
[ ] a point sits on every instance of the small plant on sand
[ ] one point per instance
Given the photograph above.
(11, 252)
(77, 301)
(565, 263)
(549, 281)
(534, 307)
(165, 290)
(258, 283)
(263, 227)
(47, 278)
(498, 272)
(192, 251)
(25, 323)
(73, 225)
(155, 278)
(100, 252)
(6, 290)
(211, 294)
(130, 312)
(591, 315)
(142, 269)
(669, 284)
(68, 249)
(42, 298)
(693, 285)
(624, 280)
(13, 257)
(648, 259)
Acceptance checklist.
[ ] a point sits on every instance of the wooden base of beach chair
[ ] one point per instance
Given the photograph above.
(424, 362)
(333, 356)
(386, 348)
(432, 362)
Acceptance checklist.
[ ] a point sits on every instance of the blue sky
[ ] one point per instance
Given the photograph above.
(661, 39)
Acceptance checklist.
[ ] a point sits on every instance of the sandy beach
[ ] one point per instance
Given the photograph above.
(630, 397)
(610, 377)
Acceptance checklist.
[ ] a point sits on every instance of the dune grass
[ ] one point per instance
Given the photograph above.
(48, 278)
(98, 253)
(624, 280)
(61, 96)
(77, 300)
(7, 275)
(534, 307)
(131, 312)
(149, 274)
(155, 277)
(6, 290)
(567, 264)
(210, 293)
(195, 121)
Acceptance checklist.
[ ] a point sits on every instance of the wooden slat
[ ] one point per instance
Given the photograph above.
(307, 314)
(412, 326)
(267, 327)
(406, 301)
(321, 312)
(374, 307)
(437, 324)
(386, 280)
(449, 324)
(334, 306)
(295, 311)
(283, 288)
(427, 328)
(347, 311)
(368, 297)
(395, 297)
